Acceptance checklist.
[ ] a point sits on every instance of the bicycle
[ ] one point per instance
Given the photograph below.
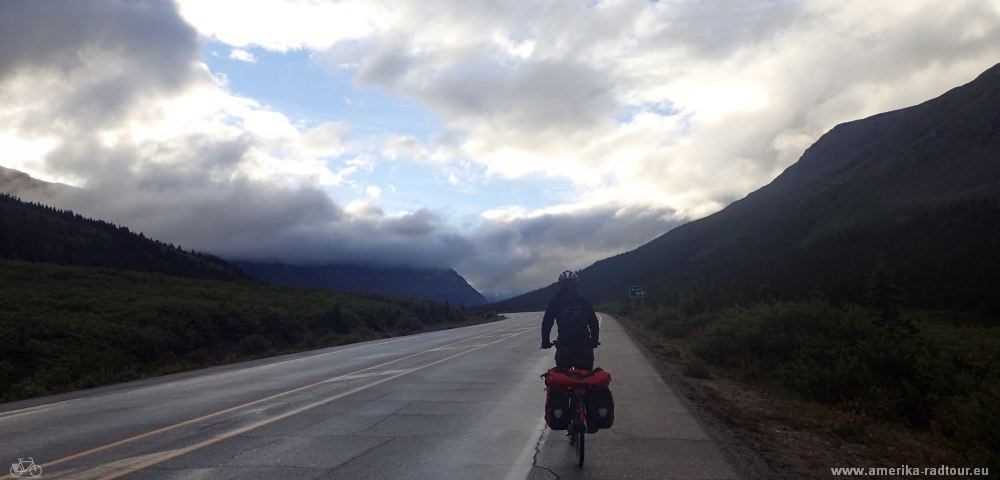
(17, 469)
(578, 421)
(577, 429)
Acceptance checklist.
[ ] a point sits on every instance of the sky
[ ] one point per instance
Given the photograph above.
(508, 140)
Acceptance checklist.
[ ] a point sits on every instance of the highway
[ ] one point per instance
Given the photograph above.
(464, 403)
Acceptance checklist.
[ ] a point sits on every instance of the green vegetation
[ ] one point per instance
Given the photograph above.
(65, 328)
(933, 371)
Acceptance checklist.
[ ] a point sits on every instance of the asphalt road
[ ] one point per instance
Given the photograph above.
(464, 403)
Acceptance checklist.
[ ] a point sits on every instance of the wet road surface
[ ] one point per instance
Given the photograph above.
(464, 403)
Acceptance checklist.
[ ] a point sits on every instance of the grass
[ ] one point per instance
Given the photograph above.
(68, 328)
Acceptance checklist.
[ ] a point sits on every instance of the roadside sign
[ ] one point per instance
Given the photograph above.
(637, 292)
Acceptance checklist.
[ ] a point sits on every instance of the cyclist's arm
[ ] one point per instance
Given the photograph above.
(547, 320)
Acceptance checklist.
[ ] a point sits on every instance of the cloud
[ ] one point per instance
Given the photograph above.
(282, 26)
(654, 113)
(518, 251)
(680, 104)
(242, 55)
(119, 104)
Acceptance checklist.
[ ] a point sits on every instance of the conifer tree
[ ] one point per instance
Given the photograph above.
(884, 295)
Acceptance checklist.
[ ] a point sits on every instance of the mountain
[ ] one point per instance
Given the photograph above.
(17, 183)
(38, 233)
(428, 284)
(918, 188)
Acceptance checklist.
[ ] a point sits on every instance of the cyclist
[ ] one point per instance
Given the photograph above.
(577, 322)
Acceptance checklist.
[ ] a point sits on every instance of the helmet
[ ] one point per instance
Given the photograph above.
(568, 277)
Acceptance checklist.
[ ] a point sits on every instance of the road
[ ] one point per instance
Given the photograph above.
(463, 403)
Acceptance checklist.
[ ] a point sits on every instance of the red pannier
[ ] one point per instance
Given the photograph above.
(561, 377)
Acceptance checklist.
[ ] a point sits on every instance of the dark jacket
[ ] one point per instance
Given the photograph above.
(576, 319)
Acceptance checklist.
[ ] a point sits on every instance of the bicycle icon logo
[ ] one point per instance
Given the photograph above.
(18, 469)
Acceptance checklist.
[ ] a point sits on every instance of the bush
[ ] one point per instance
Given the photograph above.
(253, 345)
(615, 309)
(830, 355)
(409, 324)
(64, 328)
(696, 368)
(851, 359)
(672, 322)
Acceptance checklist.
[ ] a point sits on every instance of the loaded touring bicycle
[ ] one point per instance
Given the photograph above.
(580, 402)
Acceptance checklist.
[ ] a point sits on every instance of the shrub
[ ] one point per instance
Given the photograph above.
(409, 324)
(696, 368)
(873, 362)
(253, 345)
(845, 357)
(64, 328)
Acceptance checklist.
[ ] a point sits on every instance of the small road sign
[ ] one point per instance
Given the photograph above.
(637, 292)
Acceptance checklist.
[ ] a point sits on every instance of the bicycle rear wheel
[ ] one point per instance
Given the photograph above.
(572, 430)
(580, 443)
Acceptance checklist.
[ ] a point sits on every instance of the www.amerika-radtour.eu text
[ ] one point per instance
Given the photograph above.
(905, 470)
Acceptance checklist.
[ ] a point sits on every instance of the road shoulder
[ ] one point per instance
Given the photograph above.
(655, 434)
(741, 448)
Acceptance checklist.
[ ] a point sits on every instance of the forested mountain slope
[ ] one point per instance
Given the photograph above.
(37, 233)
(918, 187)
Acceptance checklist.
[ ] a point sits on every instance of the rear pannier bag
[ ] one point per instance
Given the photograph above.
(600, 408)
(557, 408)
(561, 377)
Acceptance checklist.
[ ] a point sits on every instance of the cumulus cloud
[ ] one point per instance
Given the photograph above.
(120, 105)
(681, 104)
(656, 113)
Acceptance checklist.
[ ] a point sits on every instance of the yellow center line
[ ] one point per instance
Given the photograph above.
(198, 446)
(237, 407)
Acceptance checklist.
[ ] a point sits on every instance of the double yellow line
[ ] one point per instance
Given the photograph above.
(197, 446)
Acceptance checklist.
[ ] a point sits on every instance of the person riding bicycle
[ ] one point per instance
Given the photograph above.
(579, 330)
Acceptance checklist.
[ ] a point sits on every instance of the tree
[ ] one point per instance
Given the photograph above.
(884, 295)
(716, 299)
(4, 242)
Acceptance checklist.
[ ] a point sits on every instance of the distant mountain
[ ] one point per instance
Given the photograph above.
(918, 187)
(37, 233)
(428, 284)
